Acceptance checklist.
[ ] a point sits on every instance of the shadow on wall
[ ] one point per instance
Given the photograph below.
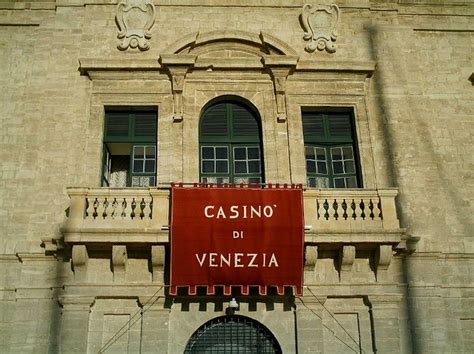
(391, 149)
(63, 261)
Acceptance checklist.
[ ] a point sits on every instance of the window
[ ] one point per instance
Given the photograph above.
(233, 334)
(230, 145)
(129, 153)
(330, 150)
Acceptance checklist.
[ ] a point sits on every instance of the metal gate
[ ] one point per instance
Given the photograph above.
(233, 334)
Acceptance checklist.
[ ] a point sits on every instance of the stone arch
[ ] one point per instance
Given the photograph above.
(195, 43)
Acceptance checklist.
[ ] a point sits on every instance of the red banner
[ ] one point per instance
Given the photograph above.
(226, 237)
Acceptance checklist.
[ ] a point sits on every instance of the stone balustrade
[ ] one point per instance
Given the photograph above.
(350, 209)
(142, 215)
(117, 215)
(343, 220)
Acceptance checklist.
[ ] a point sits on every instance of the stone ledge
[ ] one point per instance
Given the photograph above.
(354, 237)
(363, 67)
(28, 5)
(112, 235)
(88, 65)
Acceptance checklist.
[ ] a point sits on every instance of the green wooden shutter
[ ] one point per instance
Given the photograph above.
(117, 124)
(340, 125)
(313, 124)
(214, 121)
(145, 124)
(244, 122)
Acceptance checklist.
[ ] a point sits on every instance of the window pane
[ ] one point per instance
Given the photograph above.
(207, 152)
(337, 167)
(309, 152)
(143, 181)
(150, 166)
(254, 153)
(240, 167)
(322, 168)
(254, 166)
(321, 154)
(339, 183)
(150, 152)
(351, 182)
(318, 182)
(349, 166)
(208, 166)
(221, 153)
(138, 166)
(336, 153)
(222, 166)
(311, 182)
(138, 152)
(239, 153)
(348, 155)
(310, 167)
(239, 180)
(322, 182)
(151, 180)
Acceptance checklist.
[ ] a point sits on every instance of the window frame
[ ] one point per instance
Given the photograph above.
(231, 141)
(132, 140)
(329, 142)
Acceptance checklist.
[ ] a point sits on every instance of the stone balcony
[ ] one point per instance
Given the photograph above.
(337, 221)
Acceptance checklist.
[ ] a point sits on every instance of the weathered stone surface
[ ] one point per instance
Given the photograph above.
(404, 68)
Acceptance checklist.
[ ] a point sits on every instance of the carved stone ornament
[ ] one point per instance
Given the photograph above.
(320, 25)
(135, 18)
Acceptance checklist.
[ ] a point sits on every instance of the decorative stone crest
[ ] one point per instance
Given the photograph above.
(320, 25)
(135, 18)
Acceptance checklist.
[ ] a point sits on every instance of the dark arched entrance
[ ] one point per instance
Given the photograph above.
(233, 334)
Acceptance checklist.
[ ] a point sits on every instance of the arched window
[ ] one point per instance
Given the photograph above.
(229, 144)
(233, 334)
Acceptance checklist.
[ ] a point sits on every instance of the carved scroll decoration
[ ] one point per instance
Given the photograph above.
(320, 25)
(135, 18)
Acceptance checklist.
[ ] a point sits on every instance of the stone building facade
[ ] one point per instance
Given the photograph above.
(392, 273)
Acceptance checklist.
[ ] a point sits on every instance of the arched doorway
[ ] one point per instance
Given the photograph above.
(233, 334)
(230, 142)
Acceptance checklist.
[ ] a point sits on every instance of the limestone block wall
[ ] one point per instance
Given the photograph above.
(417, 106)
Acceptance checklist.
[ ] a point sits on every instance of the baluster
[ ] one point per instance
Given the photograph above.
(353, 209)
(358, 209)
(326, 209)
(89, 208)
(134, 206)
(377, 210)
(114, 206)
(95, 205)
(100, 207)
(364, 206)
(335, 206)
(370, 210)
(141, 207)
(147, 208)
(107, 208)
(344, 209)
(127, 208)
